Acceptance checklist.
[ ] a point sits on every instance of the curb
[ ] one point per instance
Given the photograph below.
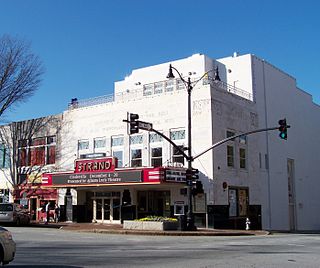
(169, 233)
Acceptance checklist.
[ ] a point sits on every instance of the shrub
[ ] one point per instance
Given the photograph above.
(157, 218)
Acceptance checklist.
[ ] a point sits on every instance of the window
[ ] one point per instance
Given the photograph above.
(243, 139)
(117, 141)
(136, 158)
(230, 134)
(169, 85)
(177, 134)
(83, 145)
(180, 84)
(117, 148)
(136, 139)
(177, 157)
(4, 156)
(230, 156)
(154, 137)
(242, 157)
(99, 143)
(156, 157)
(37, 156)
(119, 156)
(37, 151)
(147, 89)
(238, 202)
(266, 160)
(158, 87)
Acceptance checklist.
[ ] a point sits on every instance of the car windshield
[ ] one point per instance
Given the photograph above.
(6, 207)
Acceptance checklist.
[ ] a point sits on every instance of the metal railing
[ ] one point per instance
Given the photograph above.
(157, 88)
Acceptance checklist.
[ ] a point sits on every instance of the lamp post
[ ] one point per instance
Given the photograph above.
(189, 86)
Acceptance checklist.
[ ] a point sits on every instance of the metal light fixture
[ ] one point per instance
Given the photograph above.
(170, 74)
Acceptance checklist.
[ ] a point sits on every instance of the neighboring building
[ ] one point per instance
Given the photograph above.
(103, 174)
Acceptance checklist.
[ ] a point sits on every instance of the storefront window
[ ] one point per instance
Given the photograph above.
(238, 202)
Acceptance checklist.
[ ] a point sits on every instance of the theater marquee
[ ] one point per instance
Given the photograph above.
(97, 178)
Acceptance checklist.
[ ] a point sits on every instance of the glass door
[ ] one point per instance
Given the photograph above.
(106, 210)
(98, 209)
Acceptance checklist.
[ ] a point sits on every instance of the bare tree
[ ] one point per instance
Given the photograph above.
(10, 137)
(20, 72)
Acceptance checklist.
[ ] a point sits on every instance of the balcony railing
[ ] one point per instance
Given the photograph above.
(156, 89)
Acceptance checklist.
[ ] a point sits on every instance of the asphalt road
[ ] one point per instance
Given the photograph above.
(42, 247)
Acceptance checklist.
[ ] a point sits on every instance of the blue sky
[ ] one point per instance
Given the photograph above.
(87, 45)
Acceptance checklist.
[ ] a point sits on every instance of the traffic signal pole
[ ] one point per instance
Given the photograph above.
(236, 136)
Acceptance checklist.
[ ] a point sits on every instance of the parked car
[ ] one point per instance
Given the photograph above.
(7, 246)
(13, 213)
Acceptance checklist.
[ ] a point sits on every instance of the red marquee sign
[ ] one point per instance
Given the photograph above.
(95, 165)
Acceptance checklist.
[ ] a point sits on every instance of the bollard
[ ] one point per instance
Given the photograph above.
(248, 224)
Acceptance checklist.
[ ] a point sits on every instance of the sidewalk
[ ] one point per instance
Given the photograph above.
(117, 229)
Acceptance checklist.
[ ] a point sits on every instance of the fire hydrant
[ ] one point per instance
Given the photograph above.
(248, 224)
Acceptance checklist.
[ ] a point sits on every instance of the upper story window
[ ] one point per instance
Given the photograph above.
(154, 137)
(148, 90)
(242, 158)
(83, 145)
(37, 152)
(136, 158)
(136, 139)
(158, 87)
(117, 141)
(243, 139)
(169, 85)
(230, 133)
(177, 134)
(230, 156)
(4, 156)
(156, 157)
(99, 143)
(177, 157)
(117, 148)
(180, 84)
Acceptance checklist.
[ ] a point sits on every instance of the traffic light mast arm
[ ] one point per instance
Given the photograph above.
(171, 142)
(233, 137)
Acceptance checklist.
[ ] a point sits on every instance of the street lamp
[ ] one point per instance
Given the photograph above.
(189, 86)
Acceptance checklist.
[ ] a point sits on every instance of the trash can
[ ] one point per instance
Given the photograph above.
(182, 226)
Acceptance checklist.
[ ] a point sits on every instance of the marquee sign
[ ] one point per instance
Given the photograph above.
(105, 164)
(96, 178)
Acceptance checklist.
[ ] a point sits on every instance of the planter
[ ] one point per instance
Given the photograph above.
(150, 225)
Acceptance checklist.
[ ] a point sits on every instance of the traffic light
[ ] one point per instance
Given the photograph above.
(192, 174)
(134, 124)
(198, 188)
(283, 129)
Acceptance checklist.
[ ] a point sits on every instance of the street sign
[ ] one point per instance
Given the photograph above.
(144, 125)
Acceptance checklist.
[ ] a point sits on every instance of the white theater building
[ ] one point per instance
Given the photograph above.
(272, 181)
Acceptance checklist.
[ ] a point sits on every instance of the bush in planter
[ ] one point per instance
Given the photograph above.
(157, 218)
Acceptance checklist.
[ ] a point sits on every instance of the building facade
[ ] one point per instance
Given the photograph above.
(270, 180)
